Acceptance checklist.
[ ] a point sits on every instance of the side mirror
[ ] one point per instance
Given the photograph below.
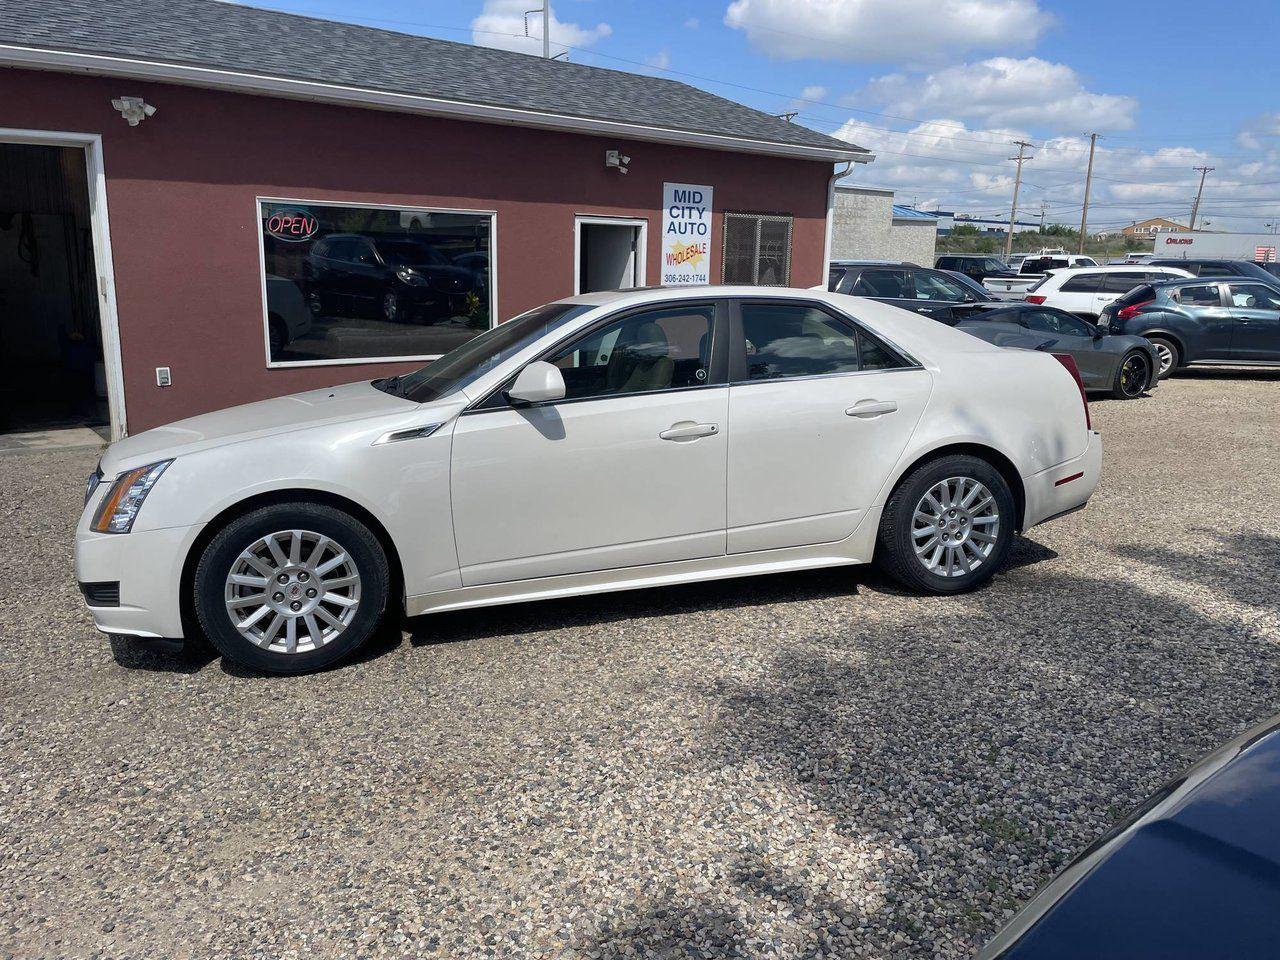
(539, 382)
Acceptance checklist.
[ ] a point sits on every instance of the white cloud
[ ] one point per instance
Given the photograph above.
(692, 23)
(660, 60)
(967, 170)
(1003, 91)
(880, 31)
(814, 93)
(501, 24)
(1253, 133)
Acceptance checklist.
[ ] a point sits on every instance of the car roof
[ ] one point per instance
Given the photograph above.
(873, 263)
(1104, 268)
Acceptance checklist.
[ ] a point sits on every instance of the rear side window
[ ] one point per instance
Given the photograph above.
(934, 286)
(883, 283)
(1081, 283)
(1121, 282)
(1201, 295)
(948, 263)
(796, 340)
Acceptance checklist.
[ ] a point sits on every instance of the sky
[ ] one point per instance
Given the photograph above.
(940, 89)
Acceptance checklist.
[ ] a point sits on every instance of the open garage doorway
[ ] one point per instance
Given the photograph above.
(610, 254)
(53, 370)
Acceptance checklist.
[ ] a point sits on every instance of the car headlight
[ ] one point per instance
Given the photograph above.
(411, 276)
(120, 507)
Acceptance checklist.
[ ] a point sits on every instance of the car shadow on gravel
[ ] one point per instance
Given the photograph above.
(981, 744)
(1243, 567)
(1258, 374)
(536, 616)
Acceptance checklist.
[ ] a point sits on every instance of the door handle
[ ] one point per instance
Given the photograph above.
(866, 409)
(688, 430)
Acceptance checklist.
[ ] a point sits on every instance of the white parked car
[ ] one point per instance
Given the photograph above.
(1085, 291)
(606, 442)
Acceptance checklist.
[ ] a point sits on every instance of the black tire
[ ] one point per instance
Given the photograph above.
(278, 335)
(358, 542)
(1162, 344)
(1133, 373)
(316, 303)
(896, 552)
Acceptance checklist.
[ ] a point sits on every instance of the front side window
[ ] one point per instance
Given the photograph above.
(1254, 296)
(796, 340)
(757, 249)
(663, 349)
(353, 283)
(933, 286)
(1201, 295)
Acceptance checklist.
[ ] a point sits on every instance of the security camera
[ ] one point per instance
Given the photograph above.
(133, 109)
(617, 160)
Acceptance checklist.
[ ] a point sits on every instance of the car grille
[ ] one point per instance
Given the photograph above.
(103, 594)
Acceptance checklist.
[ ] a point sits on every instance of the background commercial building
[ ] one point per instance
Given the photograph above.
(204, 204)
(868, 225)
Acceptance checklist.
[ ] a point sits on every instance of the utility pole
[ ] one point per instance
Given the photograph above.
(545, 10)
(1044, 208)
(1088, 182)
(1020, 159)
(1195, 206)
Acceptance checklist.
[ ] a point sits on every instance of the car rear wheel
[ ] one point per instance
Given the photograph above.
(291, 588)
(1132, 376)
(948, 526)
(1169, 354)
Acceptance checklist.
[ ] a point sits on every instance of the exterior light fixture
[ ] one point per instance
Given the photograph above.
(616, 160)
(133, 109)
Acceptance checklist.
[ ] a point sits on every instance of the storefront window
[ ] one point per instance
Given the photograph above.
(346, 283)
(757, 249)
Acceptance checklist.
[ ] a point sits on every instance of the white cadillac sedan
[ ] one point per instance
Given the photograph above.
(606, 442)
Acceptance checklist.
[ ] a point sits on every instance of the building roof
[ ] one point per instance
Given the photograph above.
(230, 46)
(903, 212)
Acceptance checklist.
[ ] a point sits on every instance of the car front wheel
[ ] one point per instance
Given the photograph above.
(291, 588)
(948, 526)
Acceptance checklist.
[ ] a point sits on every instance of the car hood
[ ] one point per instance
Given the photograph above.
(1194, 874)
(351, 401)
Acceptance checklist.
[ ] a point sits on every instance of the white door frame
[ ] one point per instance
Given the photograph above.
(642, 244)
(91, 143)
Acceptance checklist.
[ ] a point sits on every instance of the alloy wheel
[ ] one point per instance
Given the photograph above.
(1166, 357)
(955, 526)
(292, 591)
(1133, 375)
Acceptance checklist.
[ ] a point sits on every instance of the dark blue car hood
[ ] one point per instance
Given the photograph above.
(1195, 874)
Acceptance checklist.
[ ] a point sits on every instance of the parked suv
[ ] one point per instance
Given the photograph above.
(906, 285)
(1216, 268)
(1086, 290)
(972, 265)
(1230, 320)
(396, 277)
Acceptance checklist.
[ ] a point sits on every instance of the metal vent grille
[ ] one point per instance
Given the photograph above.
(757, 249)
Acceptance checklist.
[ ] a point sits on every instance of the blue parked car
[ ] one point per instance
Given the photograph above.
(1194, 873)
(1223, 320)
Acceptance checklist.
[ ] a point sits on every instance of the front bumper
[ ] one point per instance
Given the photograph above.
(1065, 487)
(148, 567)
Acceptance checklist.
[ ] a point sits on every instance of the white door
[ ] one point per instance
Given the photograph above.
(820, 411)
(628, 469)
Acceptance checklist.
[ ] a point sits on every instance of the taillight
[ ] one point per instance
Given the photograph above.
(1129, 312)
(1036, 298)
(1069, 362)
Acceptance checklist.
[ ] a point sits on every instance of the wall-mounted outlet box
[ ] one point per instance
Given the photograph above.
(163, 379)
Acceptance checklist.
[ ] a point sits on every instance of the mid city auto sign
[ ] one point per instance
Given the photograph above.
(686, 234)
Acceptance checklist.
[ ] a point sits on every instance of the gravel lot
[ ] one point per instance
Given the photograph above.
(793, 766)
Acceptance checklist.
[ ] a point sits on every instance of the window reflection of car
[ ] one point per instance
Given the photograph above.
(477, 264)
(400, 279)
(288, 317)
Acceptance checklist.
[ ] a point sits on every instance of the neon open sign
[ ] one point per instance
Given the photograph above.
(294, 226)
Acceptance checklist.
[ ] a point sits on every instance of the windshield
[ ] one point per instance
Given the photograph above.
(467, 363)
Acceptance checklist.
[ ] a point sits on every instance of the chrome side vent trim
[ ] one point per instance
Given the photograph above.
(409, 433)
